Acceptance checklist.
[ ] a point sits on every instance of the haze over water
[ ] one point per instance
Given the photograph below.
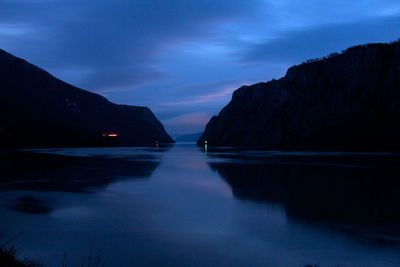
(178, 206)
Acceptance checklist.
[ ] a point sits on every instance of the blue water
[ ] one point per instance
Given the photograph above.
(178, 206)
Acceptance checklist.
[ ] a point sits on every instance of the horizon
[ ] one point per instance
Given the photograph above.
(184, 59)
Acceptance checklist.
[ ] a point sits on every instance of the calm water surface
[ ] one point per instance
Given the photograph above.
(178, 206)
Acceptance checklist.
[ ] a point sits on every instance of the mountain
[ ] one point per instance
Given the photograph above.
(188, 137)
(344, 101)
(39, 110)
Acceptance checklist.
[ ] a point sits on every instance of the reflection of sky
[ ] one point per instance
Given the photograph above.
(184, 58)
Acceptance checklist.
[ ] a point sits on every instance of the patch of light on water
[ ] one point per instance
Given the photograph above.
(112, 152)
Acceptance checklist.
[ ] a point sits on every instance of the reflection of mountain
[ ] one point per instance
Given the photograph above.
(47, 172)
(363, 194)
(24, 171)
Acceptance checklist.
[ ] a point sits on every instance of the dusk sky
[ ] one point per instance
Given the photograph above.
(182, 58)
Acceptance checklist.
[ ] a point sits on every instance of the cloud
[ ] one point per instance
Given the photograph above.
(297, 46)
(196, 118)
(112, 38)
(203, 98)
(194, 94)
(187, 123)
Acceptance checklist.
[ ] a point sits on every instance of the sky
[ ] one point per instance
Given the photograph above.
(184, 58)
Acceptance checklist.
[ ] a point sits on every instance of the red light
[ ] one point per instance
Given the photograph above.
(109, 134)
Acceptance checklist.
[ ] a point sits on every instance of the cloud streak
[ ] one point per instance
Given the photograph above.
(296, 46)
(215, 97)
(187, 123)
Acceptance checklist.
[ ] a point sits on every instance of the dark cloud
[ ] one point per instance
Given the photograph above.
(296, 46)
(111, 38)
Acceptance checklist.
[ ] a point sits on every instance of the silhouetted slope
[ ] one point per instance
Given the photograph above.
(345, 101)
(37, 109)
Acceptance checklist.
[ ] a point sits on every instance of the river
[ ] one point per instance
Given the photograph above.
(180, 206)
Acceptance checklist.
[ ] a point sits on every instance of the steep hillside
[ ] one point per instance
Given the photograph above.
(344, 101)
(37, 109)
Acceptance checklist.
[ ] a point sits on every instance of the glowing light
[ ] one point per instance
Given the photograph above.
(109, 134)
(156, 143)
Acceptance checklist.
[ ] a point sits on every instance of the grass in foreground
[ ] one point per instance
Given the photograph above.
(8, 259)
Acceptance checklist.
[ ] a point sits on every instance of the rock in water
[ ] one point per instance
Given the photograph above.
(344, 101)
(37, 109)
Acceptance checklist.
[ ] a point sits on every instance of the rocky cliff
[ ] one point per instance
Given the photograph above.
(344, 101)
(37, 109)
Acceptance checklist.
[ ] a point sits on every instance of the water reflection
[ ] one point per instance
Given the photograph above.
(31, 204)
(185, 215)
(49, 171)
(360, 189)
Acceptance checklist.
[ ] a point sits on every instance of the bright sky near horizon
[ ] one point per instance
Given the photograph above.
(184, 58)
